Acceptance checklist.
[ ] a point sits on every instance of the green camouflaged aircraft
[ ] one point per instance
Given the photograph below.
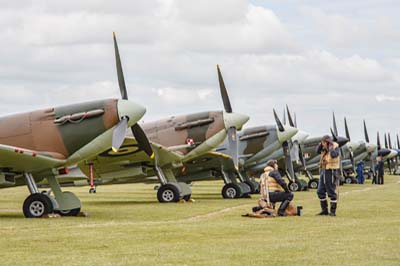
(42, 144)
(174, 141)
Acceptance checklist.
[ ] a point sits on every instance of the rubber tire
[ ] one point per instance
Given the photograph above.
(254, 187)
(294, 186)
(73, 212)
(187, 197)
(348, 180)
(92, 190)
(313, 183)
(172, 188)
(231, 188)
(43, 198)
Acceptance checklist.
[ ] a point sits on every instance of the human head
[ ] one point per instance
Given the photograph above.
(326, 140)
(273, 164)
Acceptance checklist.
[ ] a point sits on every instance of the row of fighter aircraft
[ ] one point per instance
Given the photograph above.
(101, 142)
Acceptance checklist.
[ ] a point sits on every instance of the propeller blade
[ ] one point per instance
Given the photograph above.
(284, 116)
(233, 146)
(398, 141)
(353, 163)
(346, 129)
(302, 158)
(378, 141)
(288, 161)
(290, 117)
(366, 133)
(334, 124)
(224, 92)
(386, 143)
(295, 120)
(278, 122)
(390, 141)
(334, 137)
(142, 140)
(119, 134)
(121, 79)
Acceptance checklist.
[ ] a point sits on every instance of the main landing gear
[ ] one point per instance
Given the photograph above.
(38, 204)
(171, 190)
(234, 189)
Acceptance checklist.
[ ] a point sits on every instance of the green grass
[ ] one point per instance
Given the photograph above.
(128, 227)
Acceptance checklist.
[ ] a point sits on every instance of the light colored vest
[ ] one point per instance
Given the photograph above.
(329, 163)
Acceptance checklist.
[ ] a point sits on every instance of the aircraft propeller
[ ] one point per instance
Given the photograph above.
(369, 152)
(286, 149)
(232, 130)
(351, 152)
(120, 130)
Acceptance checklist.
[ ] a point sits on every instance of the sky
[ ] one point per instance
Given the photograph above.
(315, 56)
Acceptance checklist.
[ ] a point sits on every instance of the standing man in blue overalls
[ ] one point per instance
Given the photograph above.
(329, 178)
(360, 172)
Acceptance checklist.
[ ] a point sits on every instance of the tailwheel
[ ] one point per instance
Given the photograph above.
(168, 193)
(73, 212)
(92, 190)
(37, 205)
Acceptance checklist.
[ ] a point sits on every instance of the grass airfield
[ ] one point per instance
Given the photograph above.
(127, 226)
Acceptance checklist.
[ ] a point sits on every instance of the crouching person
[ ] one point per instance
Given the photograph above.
(274, 188)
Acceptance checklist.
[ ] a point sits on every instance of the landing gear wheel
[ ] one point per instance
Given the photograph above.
(313, 183)
(293, 186)
(92, 190)
(168, 193)
(348, 180)
(73, 212)
(37, 205)
(231, 191)
(187, 197)
(254, 186)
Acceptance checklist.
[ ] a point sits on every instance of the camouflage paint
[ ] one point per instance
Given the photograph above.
(37, 131)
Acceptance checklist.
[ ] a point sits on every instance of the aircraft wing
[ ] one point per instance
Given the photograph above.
(128, 161)
(209, 162)
(22, 160)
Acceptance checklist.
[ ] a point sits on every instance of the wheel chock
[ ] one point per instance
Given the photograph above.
(83, 214)
(51, 215)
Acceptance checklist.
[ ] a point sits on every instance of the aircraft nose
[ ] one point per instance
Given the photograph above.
(383, 152)
(392, 154)
(301, 136)
(287, 134)
(235, 120)
(342, 141)
(371, 147)
(353, 145)
(130, 109)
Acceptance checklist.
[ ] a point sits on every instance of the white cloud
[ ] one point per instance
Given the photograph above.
(316, 60)
(385, 98)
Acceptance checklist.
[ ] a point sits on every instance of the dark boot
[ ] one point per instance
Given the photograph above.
(324, 208)
(333, 208)
(283, 207)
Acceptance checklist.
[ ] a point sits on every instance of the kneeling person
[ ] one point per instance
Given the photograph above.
(274, 188)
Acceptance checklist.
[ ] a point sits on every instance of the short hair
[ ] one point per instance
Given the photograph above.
(271, 163)
(326, 138)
